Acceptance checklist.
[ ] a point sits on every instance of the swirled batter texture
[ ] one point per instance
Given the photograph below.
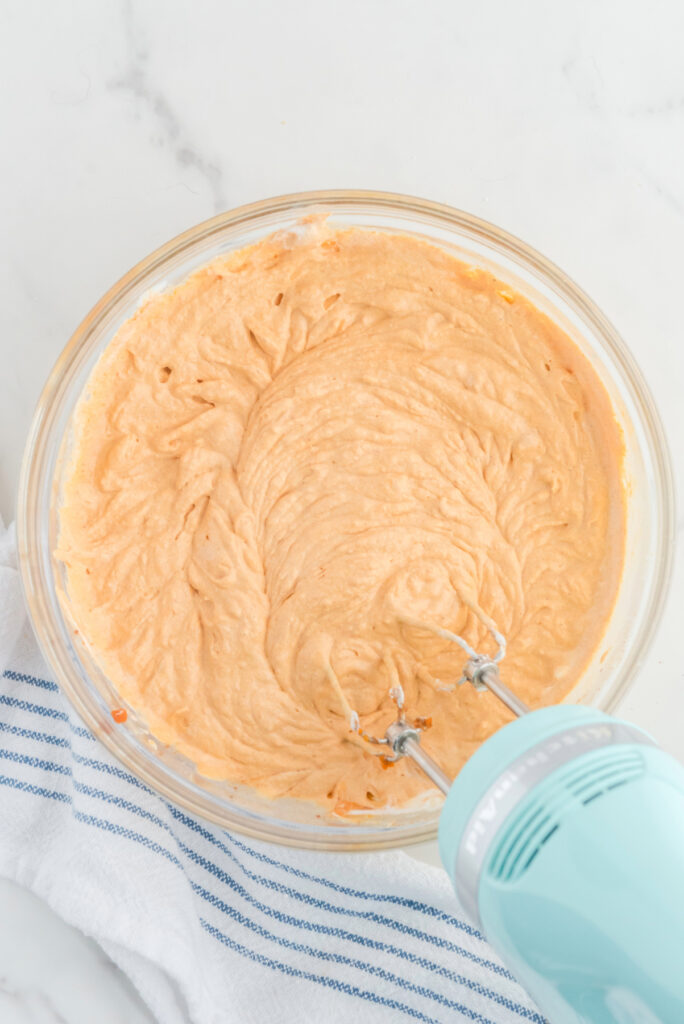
(306, 442)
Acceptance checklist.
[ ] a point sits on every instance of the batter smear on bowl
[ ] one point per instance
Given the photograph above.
(303, 447)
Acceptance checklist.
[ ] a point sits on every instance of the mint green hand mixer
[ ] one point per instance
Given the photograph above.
(564, 838)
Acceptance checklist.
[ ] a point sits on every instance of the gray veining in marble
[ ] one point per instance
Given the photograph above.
(167, 129)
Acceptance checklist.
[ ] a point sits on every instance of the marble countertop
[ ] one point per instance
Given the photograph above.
(125, 123)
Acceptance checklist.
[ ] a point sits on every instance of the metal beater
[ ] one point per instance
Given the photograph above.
(563, 835)
(481, 670)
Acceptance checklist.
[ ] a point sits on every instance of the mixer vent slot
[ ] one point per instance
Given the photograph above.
(540, 815)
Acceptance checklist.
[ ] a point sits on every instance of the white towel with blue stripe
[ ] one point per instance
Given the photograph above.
(213, 928)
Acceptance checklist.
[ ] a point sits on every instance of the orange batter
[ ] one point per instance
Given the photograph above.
(304, 442)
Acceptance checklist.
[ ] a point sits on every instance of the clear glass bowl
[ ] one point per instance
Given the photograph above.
(649, 509)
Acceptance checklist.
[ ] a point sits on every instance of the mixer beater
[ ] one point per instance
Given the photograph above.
(563, 835)
(482, 671)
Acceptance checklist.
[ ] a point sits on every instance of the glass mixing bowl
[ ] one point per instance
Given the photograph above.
(647, 470)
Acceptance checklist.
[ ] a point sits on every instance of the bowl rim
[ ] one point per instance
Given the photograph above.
(429, 212)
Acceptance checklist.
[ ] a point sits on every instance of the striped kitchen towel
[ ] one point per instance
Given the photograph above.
(210, 927)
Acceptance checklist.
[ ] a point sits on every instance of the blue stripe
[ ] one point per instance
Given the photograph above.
(376, 944)
(31, 734)
(45, 712)
(90, 762)
(270, 883)
(402, 901)
(345, 890)
(20, 677)
(35, 762)
(113, 770)
(313, 901)
(235, 886)
(390, 922)
(126, 833)
(82, 787)
(191, 823)
(391, 898)
(36, 709)
(28, 787)
(443, 972)
(320, 979)
(338, 958)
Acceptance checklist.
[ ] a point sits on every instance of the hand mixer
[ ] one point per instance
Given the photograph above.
(564, 839)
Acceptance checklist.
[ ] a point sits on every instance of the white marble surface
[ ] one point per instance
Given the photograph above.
(124, 123)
